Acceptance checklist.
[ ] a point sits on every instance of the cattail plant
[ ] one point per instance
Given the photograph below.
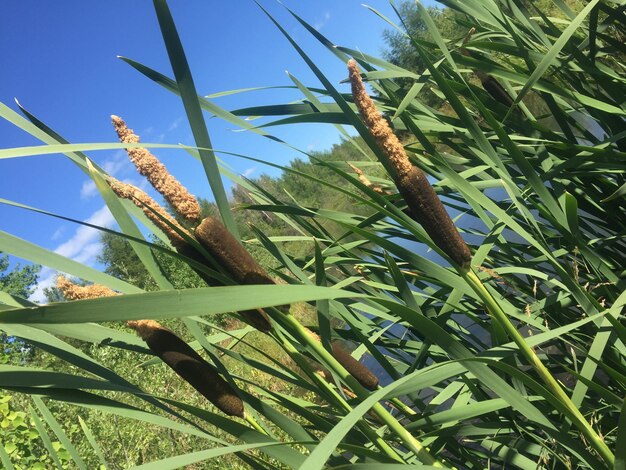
(489, 83)
(189, 365)
(366, 181)
(172, 350)
(72, 291)
(236, 260)
(153, 210)
(230, 253)
(211, 233)
(148, 165)
(356, 369)
(422, 200)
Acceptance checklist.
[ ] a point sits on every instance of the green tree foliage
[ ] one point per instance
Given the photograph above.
(21, 440)
(401, 51)
(19, 281)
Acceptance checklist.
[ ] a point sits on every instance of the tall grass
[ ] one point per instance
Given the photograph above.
(513, 360)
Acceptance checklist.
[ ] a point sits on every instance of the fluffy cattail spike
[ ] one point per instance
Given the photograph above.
(73, 291)
(149, 206)
(189, 365)
(422, 200)
(162, 180)
(365, 180)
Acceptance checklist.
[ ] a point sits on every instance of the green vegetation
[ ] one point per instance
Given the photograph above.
(513, 360)
(19, 281)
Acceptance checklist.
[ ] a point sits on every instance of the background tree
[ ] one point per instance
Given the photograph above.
(19, 281)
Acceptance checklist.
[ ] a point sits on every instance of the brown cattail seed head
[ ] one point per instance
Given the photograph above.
(151, 208)
(357, 370)
(490, 84)
(495, 89)
(148, 165)
(426, 208)
(189, 365)
(231, 254)
(236, 260)
(423, 203)
(73, 291)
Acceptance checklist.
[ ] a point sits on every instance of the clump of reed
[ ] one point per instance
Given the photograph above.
(172, 350)
(212, 235)
(423, 203)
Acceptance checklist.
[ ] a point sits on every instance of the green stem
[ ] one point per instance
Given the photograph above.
(253, 422)
(320, 382)
(392, 423)
(402, 407)
(553, 386)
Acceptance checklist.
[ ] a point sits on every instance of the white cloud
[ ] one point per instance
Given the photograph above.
(58, 233)
(248, 171)
(321, 23)
(174, 125)
(83, 236)
(47, 277)
(88, 189)
(83, 247)
(118, 162)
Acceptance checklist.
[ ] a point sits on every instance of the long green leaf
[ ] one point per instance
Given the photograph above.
(188, 93)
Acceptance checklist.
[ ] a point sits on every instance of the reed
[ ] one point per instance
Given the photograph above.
(172, 350)
(423, 203)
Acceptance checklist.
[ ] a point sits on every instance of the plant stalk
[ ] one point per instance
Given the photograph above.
(553, 386)
(405, 436)
(253, 422)
(363, 426)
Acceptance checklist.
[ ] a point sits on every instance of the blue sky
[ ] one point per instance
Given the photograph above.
(59, 59)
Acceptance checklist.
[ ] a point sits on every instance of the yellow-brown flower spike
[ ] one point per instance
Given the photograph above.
(365, 180)
(73, 291)
(189, 365)
(162, 180)
(236, 260)
(151, 208)
(423, 203)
